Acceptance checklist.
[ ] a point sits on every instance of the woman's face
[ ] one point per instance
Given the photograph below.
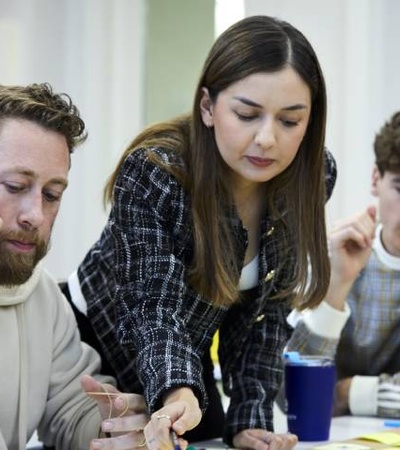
(259, 123)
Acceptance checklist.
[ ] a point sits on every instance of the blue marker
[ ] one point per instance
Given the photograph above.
(391, 423)
(175, 440)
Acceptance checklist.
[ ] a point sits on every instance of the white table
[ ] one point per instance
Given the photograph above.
(350, 427)
(342, 428)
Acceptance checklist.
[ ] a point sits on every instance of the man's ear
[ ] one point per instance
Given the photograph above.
(376, 177)
(206, 108)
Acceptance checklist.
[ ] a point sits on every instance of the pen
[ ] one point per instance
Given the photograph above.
(391, 423)
(175, 441)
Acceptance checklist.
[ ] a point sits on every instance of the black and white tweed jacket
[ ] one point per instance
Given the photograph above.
(154, 328)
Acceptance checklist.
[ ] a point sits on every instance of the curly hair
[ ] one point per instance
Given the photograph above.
(387, 145)
(38, 103)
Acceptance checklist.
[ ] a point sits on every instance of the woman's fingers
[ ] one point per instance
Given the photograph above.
(259, 439)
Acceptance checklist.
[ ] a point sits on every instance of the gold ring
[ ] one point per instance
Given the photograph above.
(163, 416)
(143, 443)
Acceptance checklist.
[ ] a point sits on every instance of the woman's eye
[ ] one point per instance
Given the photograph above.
(246, 117)
(289, 123)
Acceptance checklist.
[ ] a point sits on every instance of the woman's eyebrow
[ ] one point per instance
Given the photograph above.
(249, 102)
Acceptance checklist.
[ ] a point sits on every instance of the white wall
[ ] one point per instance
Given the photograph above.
(357, 42)
(92, 49)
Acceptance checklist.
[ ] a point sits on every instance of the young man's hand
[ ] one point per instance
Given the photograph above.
(350, 245)
(342, 392)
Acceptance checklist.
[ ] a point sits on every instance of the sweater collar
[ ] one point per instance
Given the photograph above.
(18, 294)
(390, 261)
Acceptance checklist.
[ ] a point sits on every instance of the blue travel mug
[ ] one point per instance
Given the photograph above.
(309, 385)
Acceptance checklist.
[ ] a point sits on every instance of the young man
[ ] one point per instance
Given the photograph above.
(359, 321)
(42, 357)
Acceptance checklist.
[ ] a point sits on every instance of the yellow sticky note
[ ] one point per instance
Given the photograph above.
(386, 437)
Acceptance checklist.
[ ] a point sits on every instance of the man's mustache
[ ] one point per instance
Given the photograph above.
(27, 237)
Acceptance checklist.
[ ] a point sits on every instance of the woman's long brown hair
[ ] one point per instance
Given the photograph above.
(296, 197)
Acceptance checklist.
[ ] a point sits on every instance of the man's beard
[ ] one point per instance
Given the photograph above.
(15, 267)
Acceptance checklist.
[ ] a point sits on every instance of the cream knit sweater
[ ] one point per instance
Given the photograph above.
(42, 361)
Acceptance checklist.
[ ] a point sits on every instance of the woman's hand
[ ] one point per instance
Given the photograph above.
(259, 439)
(180, 413)
(124, 416)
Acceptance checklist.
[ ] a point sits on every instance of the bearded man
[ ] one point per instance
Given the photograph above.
(42, 356)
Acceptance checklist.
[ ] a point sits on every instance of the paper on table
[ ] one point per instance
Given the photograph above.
(385, 437)
(342, 446)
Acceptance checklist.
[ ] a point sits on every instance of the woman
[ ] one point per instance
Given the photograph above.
(217, 222)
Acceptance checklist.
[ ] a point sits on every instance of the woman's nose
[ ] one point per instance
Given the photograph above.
(265, 137)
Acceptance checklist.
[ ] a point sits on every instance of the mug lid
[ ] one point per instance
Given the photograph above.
(296, 358)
